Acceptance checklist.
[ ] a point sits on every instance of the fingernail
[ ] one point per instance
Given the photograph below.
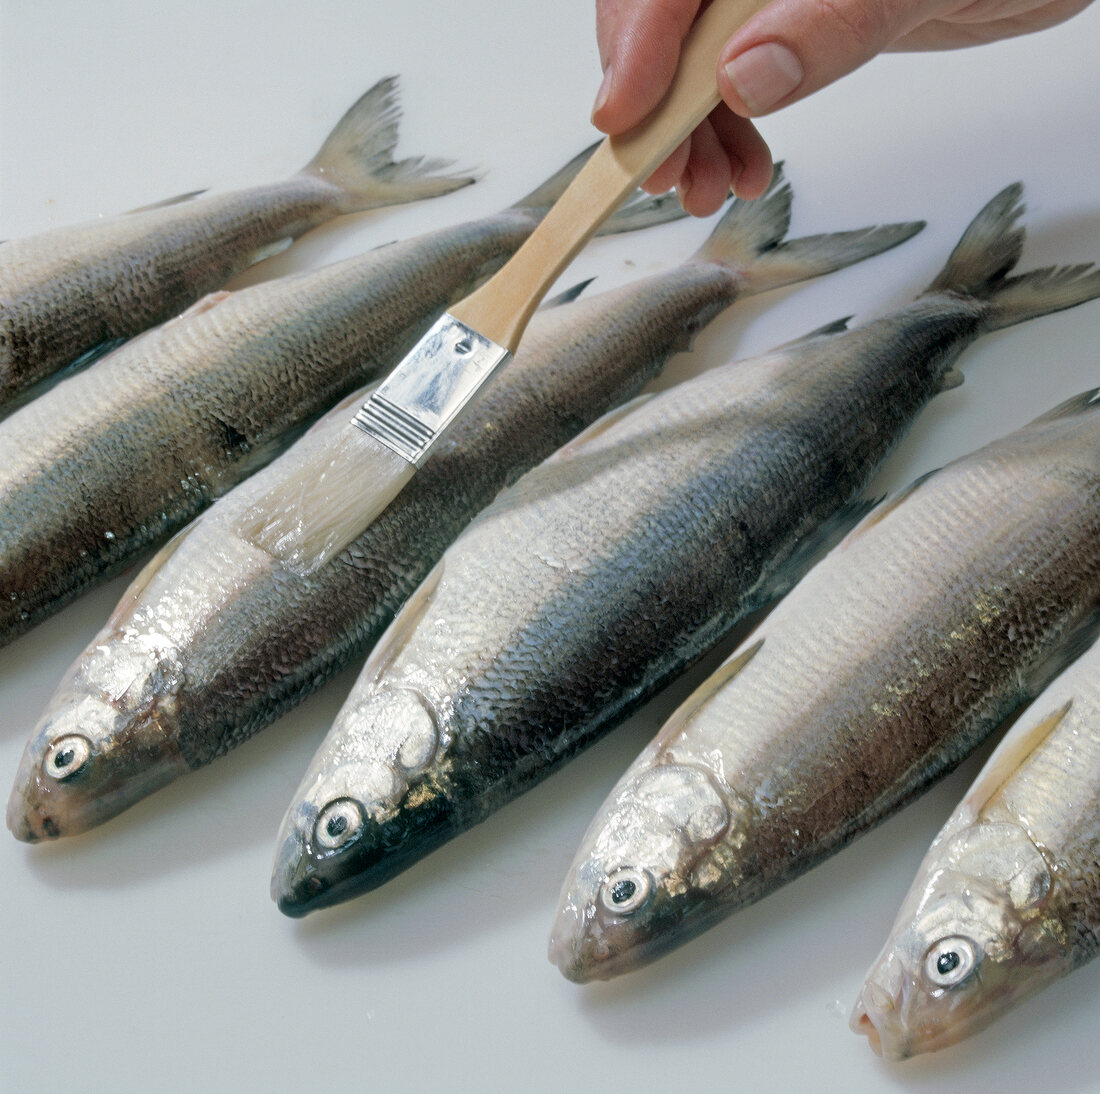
(737, 169)
(603, 94)
(764, 74)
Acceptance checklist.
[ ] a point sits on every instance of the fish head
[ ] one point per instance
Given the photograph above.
(646, 874)
(105, 740)
(974, 936)
(370, 804)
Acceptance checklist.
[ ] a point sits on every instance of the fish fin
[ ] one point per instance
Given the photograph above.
(1040, 292)
(1009, 757)
(748, 229)
(357, 157)
(708, 689)
(812, 256)
(599, 426)
(177, 200)
(837, 326)
(203, 304)
(130, 598)
(989, 247)
(952, 378)
(78, 364)
(1077, 404)
(388, 648)
(812, 547)
(642, 211)
(568, 296)
(1078, 639)
(884, 508)
(89, 357)
(271, 250)
(546, 193)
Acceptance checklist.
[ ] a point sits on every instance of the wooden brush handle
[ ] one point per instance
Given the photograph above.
(502, 307)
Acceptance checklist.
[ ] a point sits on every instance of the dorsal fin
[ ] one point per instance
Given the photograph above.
(177, 200)
(397, 634)
(885, 508)
(1076, 404)
(1013, 753)
(601, 425)
(708, 689)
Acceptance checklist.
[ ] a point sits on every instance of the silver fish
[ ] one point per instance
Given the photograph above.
(1007, 900)
(113, 460)
(215, 638)
(613, 565)
(891, 660)
(67, 291)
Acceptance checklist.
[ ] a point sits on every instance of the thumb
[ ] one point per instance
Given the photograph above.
(792, 48)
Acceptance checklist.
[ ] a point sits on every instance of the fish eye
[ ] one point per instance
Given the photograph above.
(338, 824)
(625, 891)
(950, 961)
(66, 756)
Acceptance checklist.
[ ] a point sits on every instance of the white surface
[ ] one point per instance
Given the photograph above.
(147, 955)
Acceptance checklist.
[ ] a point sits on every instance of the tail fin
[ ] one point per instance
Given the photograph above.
(357, 157)
(1039, 292)
(990, 249)
(639, 211)
(749, 229)
(748, 239)
(545, 194)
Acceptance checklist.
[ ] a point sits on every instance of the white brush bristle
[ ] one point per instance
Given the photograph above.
(329, 500)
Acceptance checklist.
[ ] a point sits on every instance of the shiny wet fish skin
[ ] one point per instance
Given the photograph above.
(891, 660)
(612, 566)
(113, 460)
(1007, 900)
(66, 291)
(215, 639)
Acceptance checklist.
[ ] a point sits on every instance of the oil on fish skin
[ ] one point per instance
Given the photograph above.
(1007, 899)
(888, 664)
(113, 460)
(609, 568)
(67, 291)
(215, 639)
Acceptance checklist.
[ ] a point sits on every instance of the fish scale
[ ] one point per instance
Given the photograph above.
(1010, 884)
(141, 442)
(67, 292)
(889, 662)
(672, 522)
(224, 638)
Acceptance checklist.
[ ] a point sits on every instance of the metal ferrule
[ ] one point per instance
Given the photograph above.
(425, 393)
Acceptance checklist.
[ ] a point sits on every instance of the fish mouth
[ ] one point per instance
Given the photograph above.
(296, 885)
(306, 878)
(29, 823)
(876, 1017)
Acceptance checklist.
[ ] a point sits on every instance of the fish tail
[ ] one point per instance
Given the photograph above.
(639, 211)
(749, 229)
(749, 240)
(1039, 292)
(989, 247)
(989, 250)
(357, 157)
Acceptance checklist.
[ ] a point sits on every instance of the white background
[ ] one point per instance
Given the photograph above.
(147, 955)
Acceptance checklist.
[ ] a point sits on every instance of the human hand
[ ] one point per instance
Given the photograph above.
(785, 52)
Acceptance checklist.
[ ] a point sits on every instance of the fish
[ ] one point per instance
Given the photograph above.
(114, 460)
(936, 618)
(611, 567)
(68, 292)
(1007, 900)
(215, 639)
